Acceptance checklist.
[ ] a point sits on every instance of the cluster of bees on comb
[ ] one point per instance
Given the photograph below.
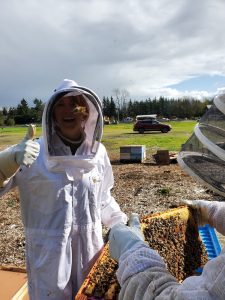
(102, 282)
(80, 109)
(178, 243)
(175, 239)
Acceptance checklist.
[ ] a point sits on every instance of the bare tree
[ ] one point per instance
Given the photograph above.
(124, 97)
(121, 99)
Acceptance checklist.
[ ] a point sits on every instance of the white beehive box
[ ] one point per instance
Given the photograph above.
(132, 153)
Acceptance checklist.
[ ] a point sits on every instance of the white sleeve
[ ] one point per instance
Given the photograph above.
(216, 216)
(155, 282)
(111, 213)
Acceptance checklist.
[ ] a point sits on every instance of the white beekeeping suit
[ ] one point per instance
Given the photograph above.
(64, 199)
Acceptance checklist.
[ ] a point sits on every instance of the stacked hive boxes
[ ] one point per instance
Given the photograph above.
(132, 153)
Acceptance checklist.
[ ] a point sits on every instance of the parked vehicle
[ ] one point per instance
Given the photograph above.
(151, 125)
(128, 120)
(146, 117)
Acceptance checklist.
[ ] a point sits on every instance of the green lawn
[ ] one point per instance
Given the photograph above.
(120, 135)
(123, 134)
(13, 135)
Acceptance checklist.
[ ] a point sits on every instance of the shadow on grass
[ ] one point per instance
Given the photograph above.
(146, 132)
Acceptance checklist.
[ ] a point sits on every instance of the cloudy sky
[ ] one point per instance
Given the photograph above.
(150, 48)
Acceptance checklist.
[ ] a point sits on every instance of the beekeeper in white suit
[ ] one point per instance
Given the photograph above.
(142, 272)
(64, 180)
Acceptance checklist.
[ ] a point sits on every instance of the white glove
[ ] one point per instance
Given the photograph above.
(24, 153)
(209, 212)
(28, 150)
(202, 208)
(134, 223)
(123, 238)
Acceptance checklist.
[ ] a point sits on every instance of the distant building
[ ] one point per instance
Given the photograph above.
(106, 120)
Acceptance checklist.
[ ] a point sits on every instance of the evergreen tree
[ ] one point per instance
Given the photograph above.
(112, 108)
(4, 111)
(37, 110)
(24, 114)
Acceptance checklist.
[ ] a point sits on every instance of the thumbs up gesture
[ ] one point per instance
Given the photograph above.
(28, 150)
(24, 153)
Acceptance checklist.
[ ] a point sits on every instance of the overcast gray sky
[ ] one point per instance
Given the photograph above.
(148, 47)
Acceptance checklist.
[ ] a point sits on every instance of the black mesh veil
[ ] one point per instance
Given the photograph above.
(203, 155)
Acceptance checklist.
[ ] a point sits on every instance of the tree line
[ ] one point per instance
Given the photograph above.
(162, 107)
(115, 109)
(23, 113)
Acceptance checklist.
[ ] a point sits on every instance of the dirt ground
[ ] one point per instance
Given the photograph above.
(143, 188)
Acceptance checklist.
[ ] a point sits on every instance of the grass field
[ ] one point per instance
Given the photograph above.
(122, 134)
(119, 135)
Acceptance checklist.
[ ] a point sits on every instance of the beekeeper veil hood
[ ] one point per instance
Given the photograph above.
(88, 106)
(203, 155)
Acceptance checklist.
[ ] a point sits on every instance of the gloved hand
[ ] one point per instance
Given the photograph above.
(123, 238)
(28, 150)
(24, 153)
(202, 208)
(135, 225)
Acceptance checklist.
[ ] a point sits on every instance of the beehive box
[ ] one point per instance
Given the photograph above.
(132, 153)
(174, 234)
(162, 157)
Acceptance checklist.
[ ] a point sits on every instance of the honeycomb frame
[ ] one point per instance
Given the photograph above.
(184, 226)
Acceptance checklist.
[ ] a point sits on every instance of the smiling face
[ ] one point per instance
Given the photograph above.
(70, 114)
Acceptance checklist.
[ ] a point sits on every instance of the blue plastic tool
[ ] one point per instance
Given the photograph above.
(210, 239)
(211, 242)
